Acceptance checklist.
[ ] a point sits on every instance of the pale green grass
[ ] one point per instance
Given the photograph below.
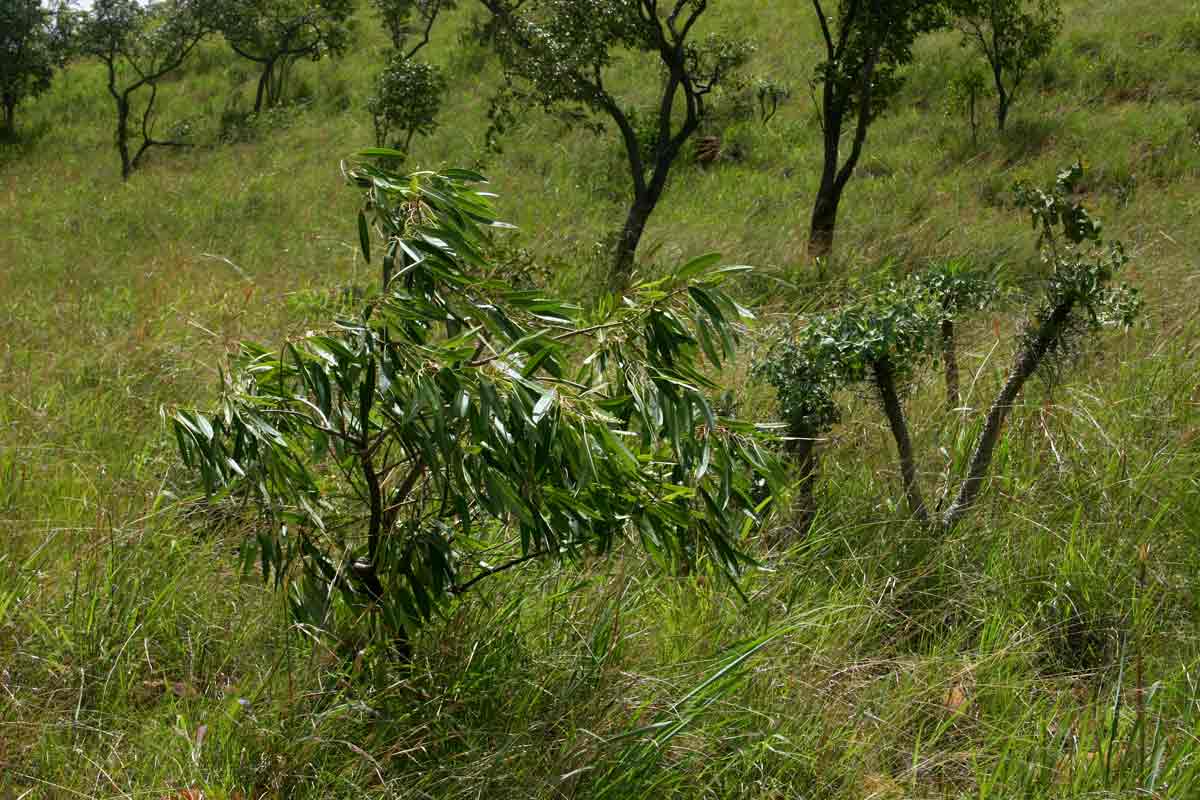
(998, 663)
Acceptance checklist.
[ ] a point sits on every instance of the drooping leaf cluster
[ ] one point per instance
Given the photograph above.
(459, 427)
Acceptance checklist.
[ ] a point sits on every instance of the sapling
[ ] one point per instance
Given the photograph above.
(459, 428)
(882, 341)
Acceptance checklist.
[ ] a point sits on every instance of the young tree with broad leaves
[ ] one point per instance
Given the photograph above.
(458, 427)
(34, 42)
(276, 33)
(866, 44)
(557, 53)
(139, 45)
(1011, 35)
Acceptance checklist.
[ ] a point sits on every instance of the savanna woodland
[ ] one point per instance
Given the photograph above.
(600, 399)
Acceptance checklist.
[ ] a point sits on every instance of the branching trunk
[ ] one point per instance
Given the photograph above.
(1050, 330)
(950, 362)
(885, 382)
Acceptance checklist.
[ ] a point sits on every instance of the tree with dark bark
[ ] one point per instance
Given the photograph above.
(557, 54)
(276, 33)
(866, 43)
(140, 45)
(1011, 35)
(34, 41)
(409, 23)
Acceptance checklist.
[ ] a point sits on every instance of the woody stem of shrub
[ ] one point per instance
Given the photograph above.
(885, 382)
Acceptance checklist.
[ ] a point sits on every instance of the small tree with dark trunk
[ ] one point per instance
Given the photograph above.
(458, 428)
(34, 43)
(560, 50)
(406, 100)
(139, 45)
(866, 43)
(883, 341)
(1012, 35)
(276, 33)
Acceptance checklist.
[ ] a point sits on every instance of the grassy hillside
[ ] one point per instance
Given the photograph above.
(1004, 661)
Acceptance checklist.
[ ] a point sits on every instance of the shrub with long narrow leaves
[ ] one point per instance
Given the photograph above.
(459, 427)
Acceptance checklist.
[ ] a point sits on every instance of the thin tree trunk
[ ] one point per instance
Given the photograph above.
(1027, 362)
(824, 220)
(804, 449)
(123, 138)
(10, 113)
(950, 360)
(885, 382)
(264, 81)
(630, 237)
(1002, 111)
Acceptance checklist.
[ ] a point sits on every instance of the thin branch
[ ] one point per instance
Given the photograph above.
(496, 570)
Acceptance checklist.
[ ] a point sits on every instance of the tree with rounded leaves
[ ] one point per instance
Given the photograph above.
(34, 42)
(866, 42)
(140, 45)
(407, 97)
(1011, 35)
(557, 55)
(276, 33)
(458, 428)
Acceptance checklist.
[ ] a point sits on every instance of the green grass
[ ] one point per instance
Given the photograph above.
(1001, 662)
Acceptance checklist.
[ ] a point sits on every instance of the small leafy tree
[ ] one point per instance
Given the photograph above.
(559, 52)
(1012, 35)
(139, 45)
(34, 43)
(866, 43)
(883, 341)
(964, 92)
(276, 33)
(402, 18)
(407, 97)
(956, 289)
(459, 428)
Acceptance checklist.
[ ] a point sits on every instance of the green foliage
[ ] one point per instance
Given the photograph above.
(34, 42)
(140, 45)
(402, 18)
(557, 55)
(407, 97)
(275, 33)
(460, 427)
(1011, 35)
(963, 95)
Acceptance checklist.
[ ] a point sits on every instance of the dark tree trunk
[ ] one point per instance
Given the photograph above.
(885, 382)
(10, 117)
(630, 237)
(1028, 360)
(825, 209)
(263, 93)
(1002, 111)
(123, 138)
(804, 450)
(950, 360)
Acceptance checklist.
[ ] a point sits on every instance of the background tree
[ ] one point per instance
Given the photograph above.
(276, 33)
(559, 52)
(140, 45)
(403, 18)
(34, 42)
(406, 100)
(1012, 35)
(866, 44)
(459, 428)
